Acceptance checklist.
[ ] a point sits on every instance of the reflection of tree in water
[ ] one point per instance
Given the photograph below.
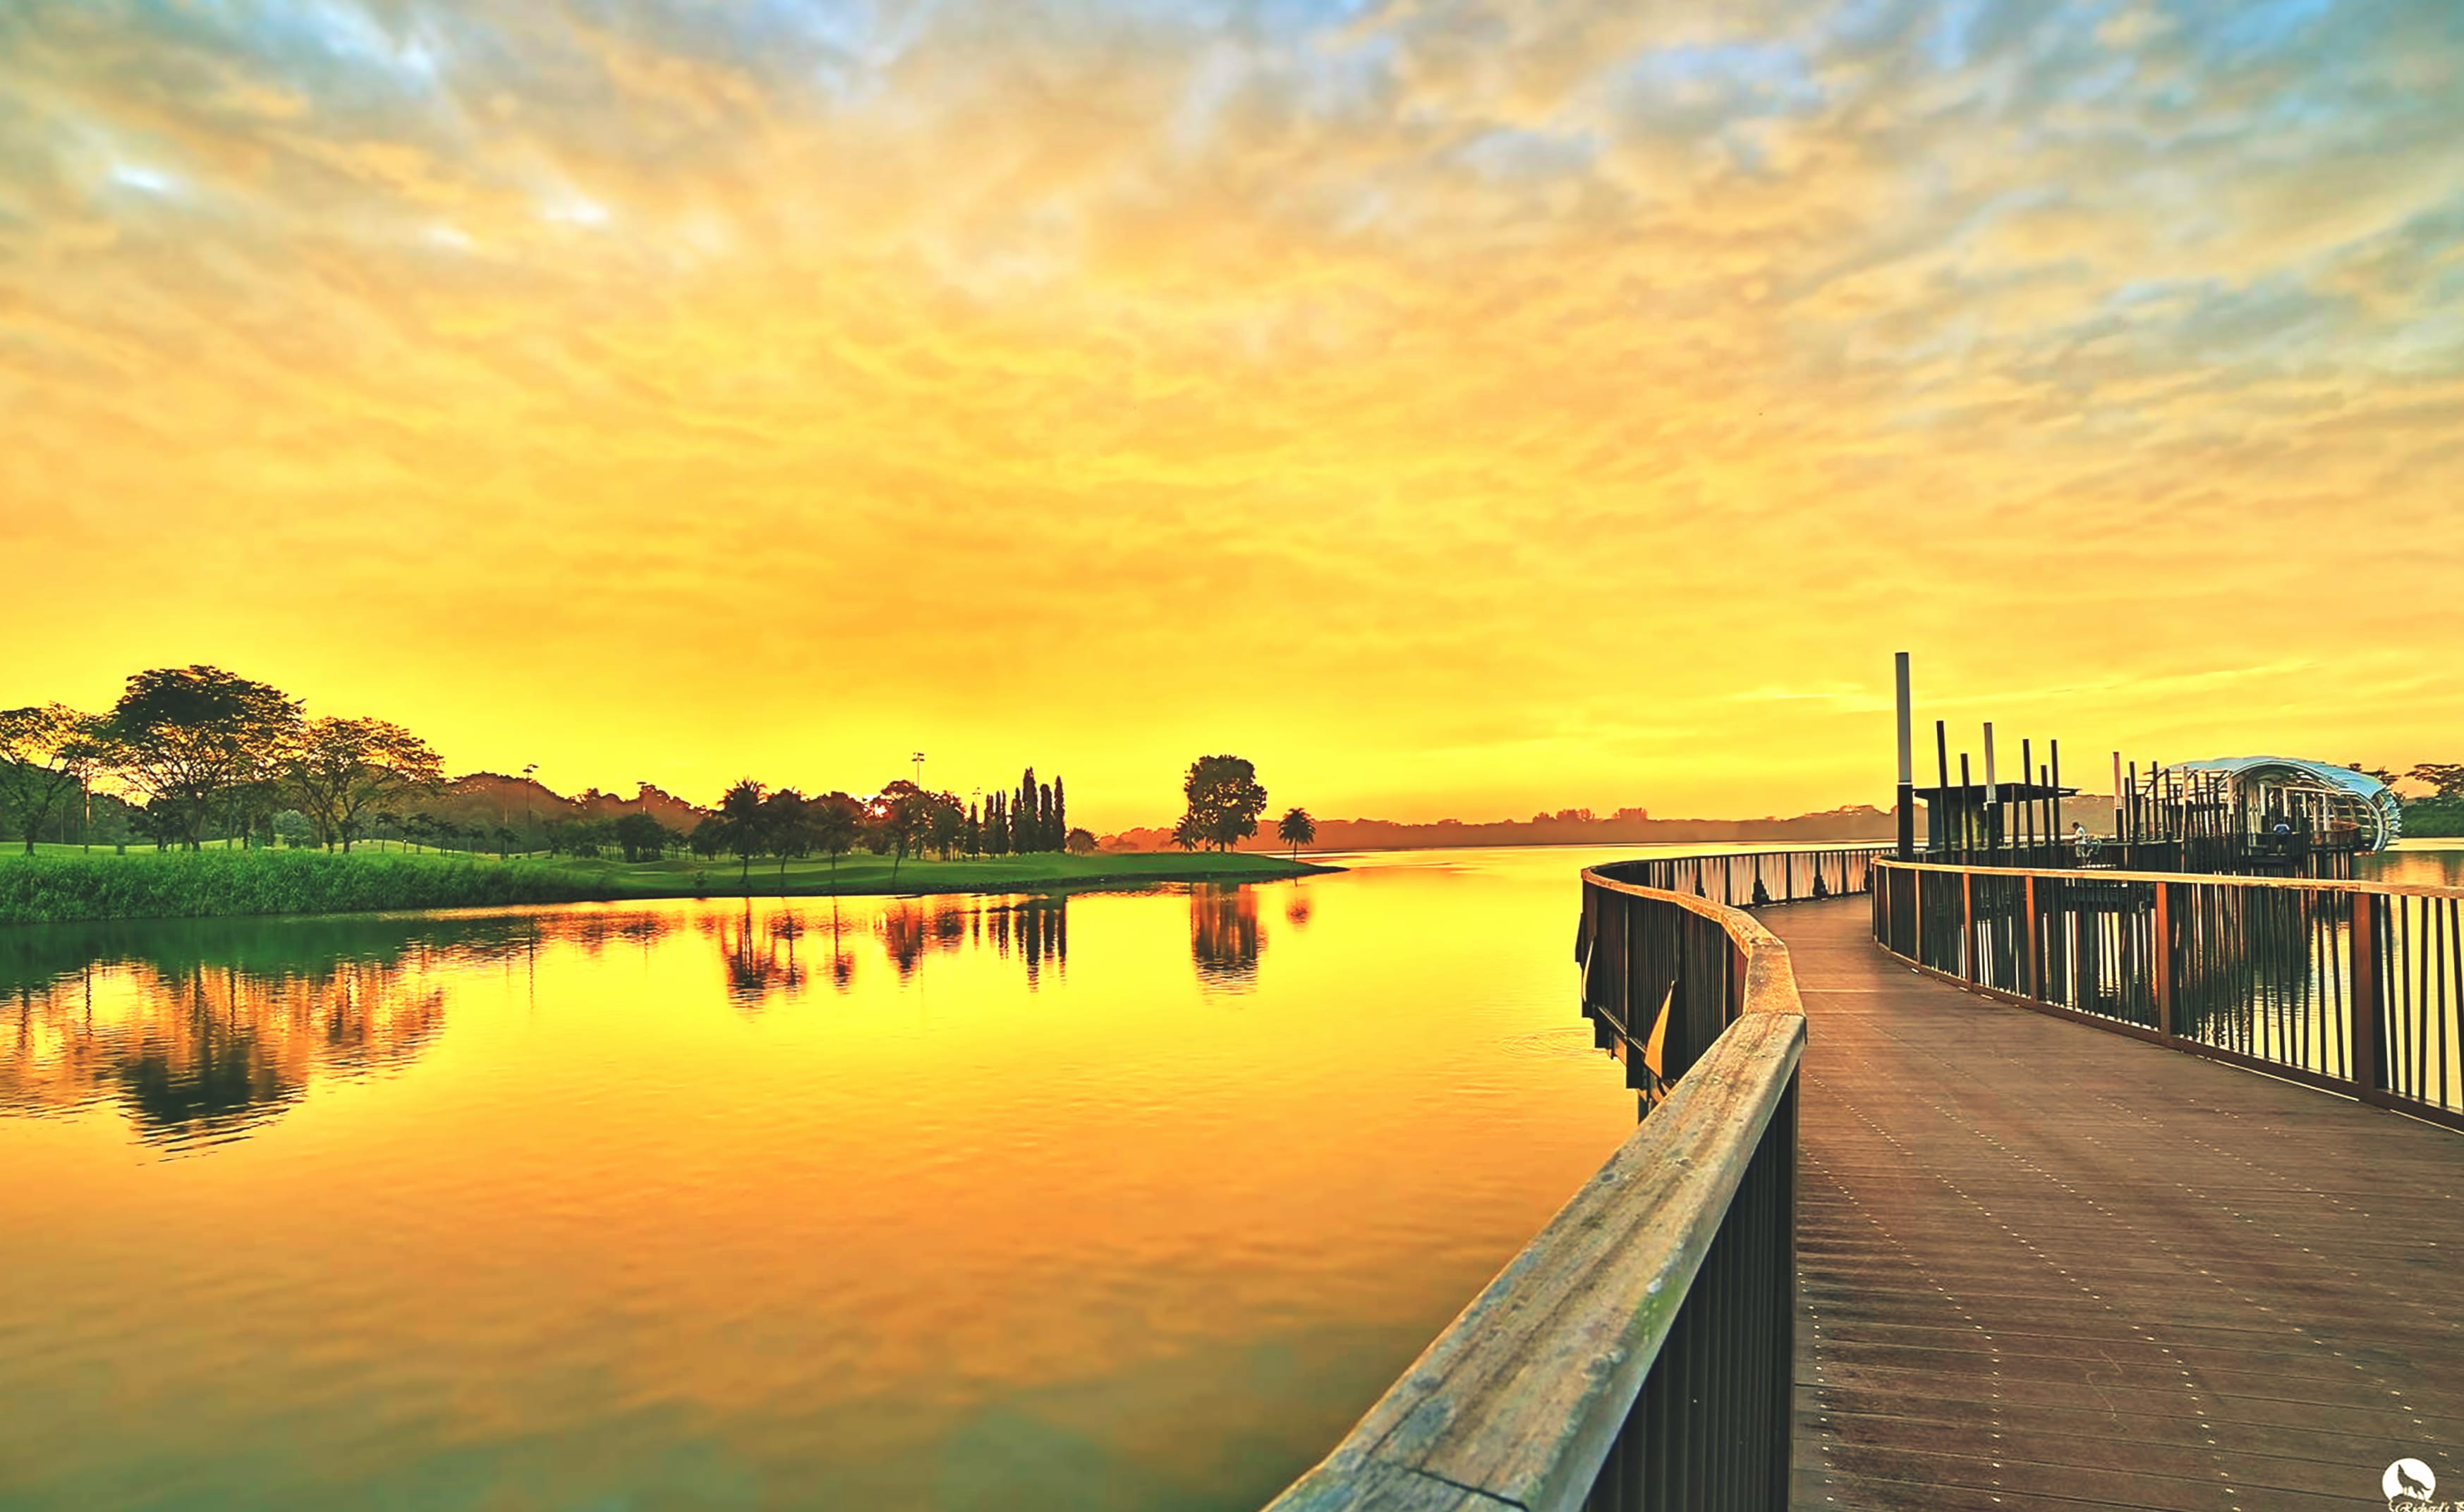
(1296, 908)
(1223, 934)
(758, 953)
(1036, 930)
(205, 1029)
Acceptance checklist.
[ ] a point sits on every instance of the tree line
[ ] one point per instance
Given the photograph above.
(192, 753)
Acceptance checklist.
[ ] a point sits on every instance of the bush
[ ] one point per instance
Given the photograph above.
(205, 883)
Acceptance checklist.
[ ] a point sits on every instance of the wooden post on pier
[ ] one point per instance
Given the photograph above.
(2161, 959)
(2036, 940)
(2364, 1008)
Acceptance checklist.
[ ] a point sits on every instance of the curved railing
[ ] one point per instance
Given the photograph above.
(1638, 1352)
(2357, 988)
(1751, 878)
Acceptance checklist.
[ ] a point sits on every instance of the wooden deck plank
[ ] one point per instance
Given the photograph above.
(2044, 1267)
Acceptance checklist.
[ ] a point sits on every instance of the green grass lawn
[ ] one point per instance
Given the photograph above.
(63, 882)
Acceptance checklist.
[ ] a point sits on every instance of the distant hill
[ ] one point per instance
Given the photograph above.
(1858, 823)
(527, 806)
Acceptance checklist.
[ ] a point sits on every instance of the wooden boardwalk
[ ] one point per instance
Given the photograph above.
(2044, 1268)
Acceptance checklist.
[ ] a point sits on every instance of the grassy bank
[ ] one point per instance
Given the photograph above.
(61, 884)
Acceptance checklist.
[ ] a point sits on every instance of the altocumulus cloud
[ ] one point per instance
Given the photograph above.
(1368, 327)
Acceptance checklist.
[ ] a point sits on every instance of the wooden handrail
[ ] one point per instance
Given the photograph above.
(1520, 1399)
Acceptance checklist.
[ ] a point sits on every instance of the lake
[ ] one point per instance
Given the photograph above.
(1126, 1201)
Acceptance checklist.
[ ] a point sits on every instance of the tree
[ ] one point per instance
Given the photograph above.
(945, 823)
(997, 824)
(1224, 802)
(638, 836)
(1047, 838)
(1081, 843)
(838, 822)
(741, 827)
(903, 812)
(1027, 820)
(339, 769)
(1060, 825)
(1296, 829)
(787, 818)
(46, 753)
(192, 737)
(2446, 777)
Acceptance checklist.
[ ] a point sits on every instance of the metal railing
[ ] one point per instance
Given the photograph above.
(2354, 987)
(1750, 879)
(1639, 1352)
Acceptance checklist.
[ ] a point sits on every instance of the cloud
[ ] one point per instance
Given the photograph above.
(1385, 371)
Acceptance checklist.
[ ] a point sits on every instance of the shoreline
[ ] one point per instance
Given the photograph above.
(69, 886)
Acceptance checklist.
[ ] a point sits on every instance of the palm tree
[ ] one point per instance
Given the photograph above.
(1297, 829)
(741, 829)
(837, 823)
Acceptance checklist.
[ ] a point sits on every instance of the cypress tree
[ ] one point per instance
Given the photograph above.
(997, 824)
(1046, 837)
(974, 841)
(1060, 814)
(1026, 823)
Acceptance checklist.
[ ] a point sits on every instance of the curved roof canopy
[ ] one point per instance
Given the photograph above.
(2374, 804)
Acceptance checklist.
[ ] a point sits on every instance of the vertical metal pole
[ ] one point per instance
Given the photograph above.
(2120, 830)
(2026, 806)
(1966, 827)
(2053, 748)
(1907, 795)
(1993, 798)
(1935, 838)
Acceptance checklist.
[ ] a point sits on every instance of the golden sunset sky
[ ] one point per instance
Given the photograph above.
(1458, 407)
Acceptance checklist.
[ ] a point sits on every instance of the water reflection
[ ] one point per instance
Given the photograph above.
(204, 1030)
(1223, 935)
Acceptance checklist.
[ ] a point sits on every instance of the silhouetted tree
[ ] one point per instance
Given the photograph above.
(190, 738)
(787, 828)
(640, 837)
(838, 824)
(1296, 829)
(903, 812)
(1026, 820)
(1224, 802)
(740, 827)
(337, 769)
(2446, 777)
(1060, 826)
(46, 753)
(1080, 843)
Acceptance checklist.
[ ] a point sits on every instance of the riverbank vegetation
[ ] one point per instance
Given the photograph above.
(63, 884)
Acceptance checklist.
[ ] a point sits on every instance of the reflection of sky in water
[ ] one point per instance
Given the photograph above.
(1117, 1200)
(2420, 863)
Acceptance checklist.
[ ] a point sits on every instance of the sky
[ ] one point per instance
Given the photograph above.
(1456, 407)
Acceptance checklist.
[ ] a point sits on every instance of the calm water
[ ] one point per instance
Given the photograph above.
(1113, 1202)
